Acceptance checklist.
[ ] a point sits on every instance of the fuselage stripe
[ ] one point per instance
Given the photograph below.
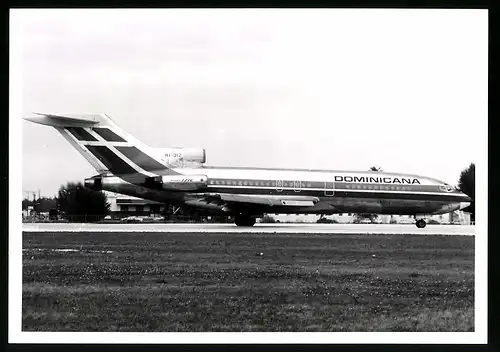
(325, 193)
(335, 190)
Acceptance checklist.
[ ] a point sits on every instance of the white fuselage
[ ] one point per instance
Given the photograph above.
(336, 191)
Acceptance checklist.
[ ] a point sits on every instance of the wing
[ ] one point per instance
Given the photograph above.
(227, 202)
(272, 200)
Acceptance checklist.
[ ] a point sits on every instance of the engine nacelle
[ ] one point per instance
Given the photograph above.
(179, 183)
(94, 183)
(178, 155)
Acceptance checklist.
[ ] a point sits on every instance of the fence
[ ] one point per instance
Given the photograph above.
(181, 219)
(132, 219)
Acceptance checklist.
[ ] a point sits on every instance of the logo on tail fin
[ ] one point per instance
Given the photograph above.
(108, 135)
(105, 145)
(80, 134)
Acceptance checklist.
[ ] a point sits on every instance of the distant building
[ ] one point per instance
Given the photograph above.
(28, 212)
(121, 205)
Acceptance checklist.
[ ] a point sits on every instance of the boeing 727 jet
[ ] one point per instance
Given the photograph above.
(128, 166)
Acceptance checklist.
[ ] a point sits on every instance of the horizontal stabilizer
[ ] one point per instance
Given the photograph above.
(65, 120)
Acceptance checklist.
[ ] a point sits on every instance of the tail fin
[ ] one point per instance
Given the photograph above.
(107, 147)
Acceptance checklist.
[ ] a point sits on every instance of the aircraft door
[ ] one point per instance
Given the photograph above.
(279, 185)
(329, 188)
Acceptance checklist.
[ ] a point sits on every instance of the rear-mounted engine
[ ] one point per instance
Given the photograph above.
(174, 156)
(178, 183)
(94, 183)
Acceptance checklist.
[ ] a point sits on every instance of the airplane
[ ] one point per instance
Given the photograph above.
(178, 176)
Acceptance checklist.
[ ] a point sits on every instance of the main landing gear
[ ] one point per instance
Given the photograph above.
(420, 223)
(244, 220)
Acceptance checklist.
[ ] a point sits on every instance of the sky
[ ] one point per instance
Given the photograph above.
(337, 89)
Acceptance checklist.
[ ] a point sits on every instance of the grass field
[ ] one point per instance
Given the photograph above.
(221, 282)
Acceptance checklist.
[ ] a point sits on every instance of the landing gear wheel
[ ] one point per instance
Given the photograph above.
(243, 220)
(421, 223)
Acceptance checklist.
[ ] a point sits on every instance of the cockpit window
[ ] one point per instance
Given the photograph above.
(447, 188)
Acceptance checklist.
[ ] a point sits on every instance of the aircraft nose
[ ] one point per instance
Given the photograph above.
(464, 205)
(466, 198)
(465, 201)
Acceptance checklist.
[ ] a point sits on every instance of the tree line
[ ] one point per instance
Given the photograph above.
(73, 199)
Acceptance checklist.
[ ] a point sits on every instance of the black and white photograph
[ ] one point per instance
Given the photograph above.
(198, 173)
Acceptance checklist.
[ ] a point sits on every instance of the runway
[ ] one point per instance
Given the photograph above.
(409, 229)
